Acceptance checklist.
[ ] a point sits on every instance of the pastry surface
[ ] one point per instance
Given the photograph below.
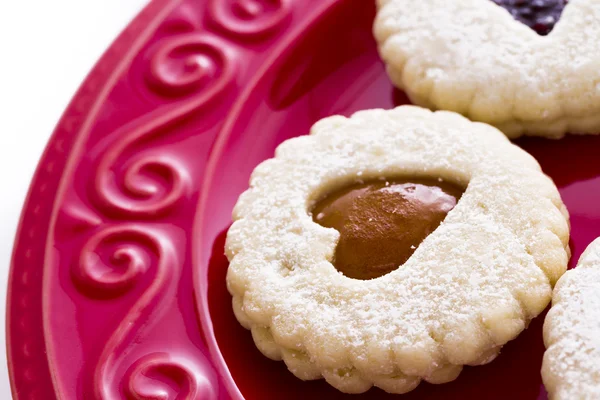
(475, 58)
(469, 287)
(571, 367)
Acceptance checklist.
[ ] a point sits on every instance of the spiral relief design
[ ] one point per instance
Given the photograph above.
(137, 181)
(113, 259)
(250, 18)
(192, 384)
(194, 67)
(190, 62)
(110, 264)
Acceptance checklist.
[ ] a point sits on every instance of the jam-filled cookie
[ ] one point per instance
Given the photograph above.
(571, 367)
(393, 247)
(525, 66)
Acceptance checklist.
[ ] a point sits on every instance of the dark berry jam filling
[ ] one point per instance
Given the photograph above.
(539, 15)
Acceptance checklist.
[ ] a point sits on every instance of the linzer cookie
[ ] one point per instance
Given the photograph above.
(571, 368)
(525, 66)
(394, 247)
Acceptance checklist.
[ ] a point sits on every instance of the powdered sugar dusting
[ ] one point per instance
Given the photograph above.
(571, 368)
(473, 57)
(471, 286)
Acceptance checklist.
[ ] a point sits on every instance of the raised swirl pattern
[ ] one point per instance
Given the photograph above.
(248, 19)
(111, 263)
(192, 66)
(191, 384)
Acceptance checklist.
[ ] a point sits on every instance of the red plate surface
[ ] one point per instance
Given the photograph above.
(117, 287)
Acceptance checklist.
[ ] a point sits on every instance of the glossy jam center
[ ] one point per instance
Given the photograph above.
(382, 223)
(539, 15)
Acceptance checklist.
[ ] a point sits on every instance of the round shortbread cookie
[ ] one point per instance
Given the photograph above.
(571, 367)
(474, 58)
(470, 286)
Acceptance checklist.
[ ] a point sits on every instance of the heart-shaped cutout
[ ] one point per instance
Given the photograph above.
(539, 15)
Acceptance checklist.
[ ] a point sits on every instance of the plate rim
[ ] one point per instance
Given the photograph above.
(36, 370)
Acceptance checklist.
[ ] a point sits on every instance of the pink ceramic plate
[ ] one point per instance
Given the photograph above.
(118, 289)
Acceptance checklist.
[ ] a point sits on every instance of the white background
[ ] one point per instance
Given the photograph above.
(46, 49)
